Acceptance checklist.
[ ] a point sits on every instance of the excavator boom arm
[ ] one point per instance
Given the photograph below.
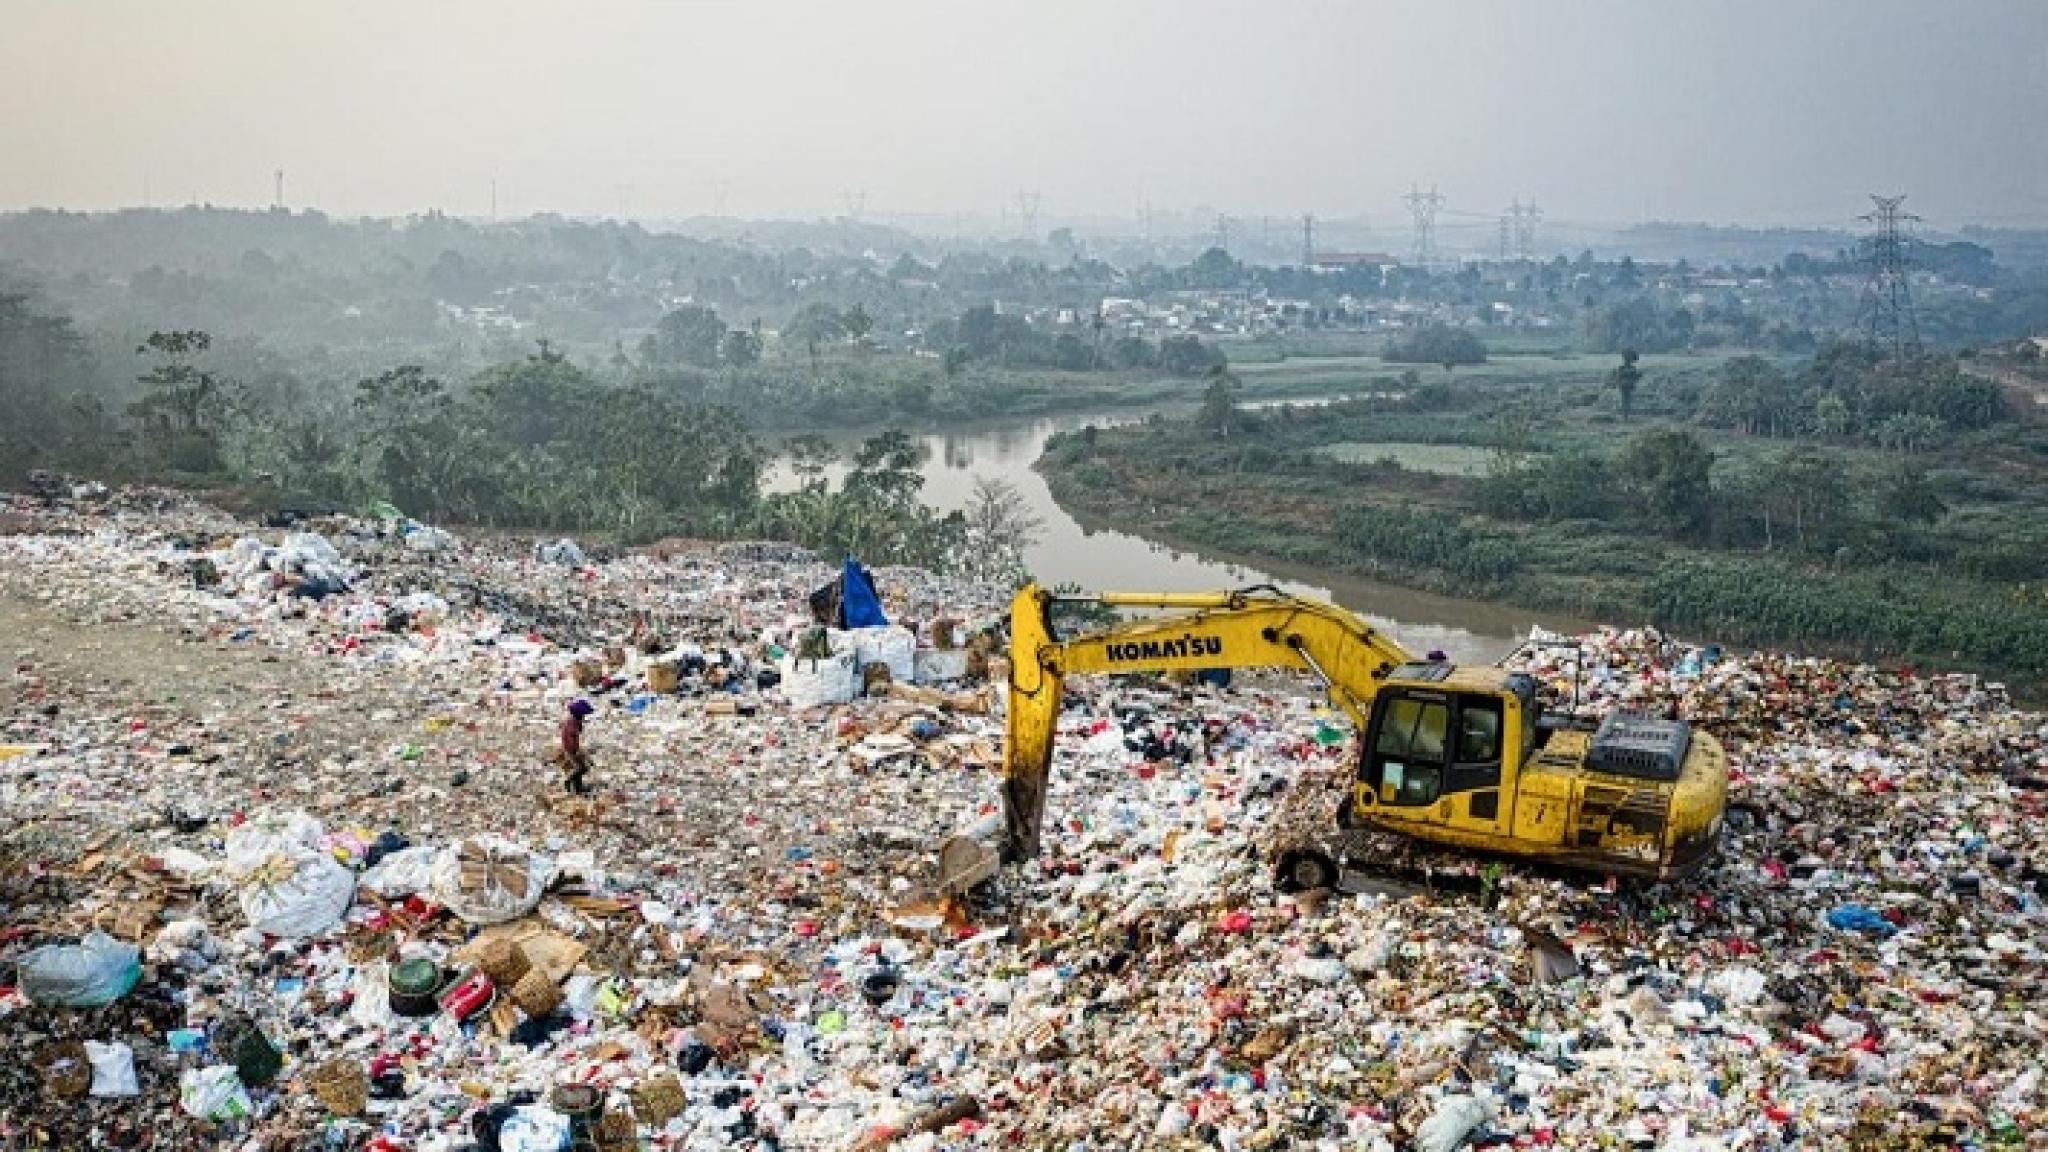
(1224, 630)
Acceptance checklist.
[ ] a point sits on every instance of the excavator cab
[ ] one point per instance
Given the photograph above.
(1440, 744)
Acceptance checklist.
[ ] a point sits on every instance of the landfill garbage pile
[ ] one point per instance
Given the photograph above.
(283, 866)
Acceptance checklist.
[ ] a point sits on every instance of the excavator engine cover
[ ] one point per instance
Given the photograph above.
(1644, 747)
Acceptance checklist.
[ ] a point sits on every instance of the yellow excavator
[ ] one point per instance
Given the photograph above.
(1459, 756)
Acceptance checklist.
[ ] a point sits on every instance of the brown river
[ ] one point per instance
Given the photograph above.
(1100, 559)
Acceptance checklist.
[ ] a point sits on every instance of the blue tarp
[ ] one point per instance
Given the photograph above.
(859, 607)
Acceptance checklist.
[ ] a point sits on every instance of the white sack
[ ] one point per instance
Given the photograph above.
(515, 878)
(895, 646)
(811, 683)
(298, 893)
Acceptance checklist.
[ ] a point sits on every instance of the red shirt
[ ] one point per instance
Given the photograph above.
(572, 735)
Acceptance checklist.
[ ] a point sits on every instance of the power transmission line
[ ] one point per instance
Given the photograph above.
(1527, 216)
(1424, 206)
(1027, 208)
(1887, 310)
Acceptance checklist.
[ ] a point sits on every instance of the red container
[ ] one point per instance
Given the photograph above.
(468, 997)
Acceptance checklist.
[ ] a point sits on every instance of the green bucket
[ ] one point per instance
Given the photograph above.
(414, 983)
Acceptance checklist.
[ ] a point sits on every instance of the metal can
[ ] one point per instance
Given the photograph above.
(468, 996)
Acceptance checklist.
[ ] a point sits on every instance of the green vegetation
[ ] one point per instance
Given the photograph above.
(533, 443)
(1847, 392)
(875, 513)
(1599, 426)
(1447, 459)
(1436, 344)
(1807, 530)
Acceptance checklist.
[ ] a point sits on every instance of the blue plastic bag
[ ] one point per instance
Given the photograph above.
(97, 970)
(1857, 918)
(859, 605)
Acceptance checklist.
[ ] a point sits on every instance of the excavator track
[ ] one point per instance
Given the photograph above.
(1398, 867)
(1309, 851)
(1382, 863)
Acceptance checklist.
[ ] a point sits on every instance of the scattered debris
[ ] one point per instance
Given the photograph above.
(739, 942)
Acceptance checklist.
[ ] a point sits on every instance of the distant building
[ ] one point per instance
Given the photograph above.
(1345, 261)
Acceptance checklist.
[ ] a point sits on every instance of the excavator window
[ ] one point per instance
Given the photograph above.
(1407, 764)
(1475, 769)
(1478, 731)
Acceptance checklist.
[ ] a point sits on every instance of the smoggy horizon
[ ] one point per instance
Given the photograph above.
(912, 110)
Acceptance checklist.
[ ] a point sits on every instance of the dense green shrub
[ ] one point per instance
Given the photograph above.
(1436, 344)
(1427, 539)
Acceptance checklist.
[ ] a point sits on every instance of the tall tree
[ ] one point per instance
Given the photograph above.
(692, 334)
(814, 324)
(416, 452)
(184, 403)
(1625, 379)
(1220, 414)
(810, 456)
(1000, 529)
(742, 348)
(1671, 474)
(858, 323)
(45, 381)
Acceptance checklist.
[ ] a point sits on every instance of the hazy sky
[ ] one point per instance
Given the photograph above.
(1607, 110)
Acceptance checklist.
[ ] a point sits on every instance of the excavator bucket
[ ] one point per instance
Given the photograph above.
(965, 861)
(968, 857)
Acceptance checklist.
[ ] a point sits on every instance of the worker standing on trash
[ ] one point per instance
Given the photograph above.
(570, 757)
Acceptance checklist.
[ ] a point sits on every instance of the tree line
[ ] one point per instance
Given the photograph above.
(535, 443)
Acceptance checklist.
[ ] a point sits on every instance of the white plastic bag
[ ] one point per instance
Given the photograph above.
(186, 864)
(812, 683)
(297, 894)
(426, 539)
(534, 1128)
(1454, 1120)
(371, 1003)
(309, 548)
(214, 1094)
(260, 837)
(186, 944)
(113, 1069)
(511, 880)
(423, 607)
(1741, 986)
(290, 886)
(97, 970)
(563, 551)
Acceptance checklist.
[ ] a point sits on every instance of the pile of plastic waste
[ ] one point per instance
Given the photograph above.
(283, 865)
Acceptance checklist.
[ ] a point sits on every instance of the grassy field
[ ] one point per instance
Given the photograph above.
(1442, 459)
(1548, 368)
